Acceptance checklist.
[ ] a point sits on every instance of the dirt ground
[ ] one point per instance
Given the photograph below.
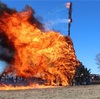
(71, 92)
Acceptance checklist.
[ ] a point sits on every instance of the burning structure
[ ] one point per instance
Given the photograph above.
(32, 52)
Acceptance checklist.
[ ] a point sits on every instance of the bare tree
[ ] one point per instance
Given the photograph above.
(98, 60)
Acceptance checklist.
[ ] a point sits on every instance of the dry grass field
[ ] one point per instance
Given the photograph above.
(71, 92)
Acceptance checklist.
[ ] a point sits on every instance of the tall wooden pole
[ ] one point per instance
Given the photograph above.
(69, 6)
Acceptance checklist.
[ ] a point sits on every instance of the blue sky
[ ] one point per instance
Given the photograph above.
(85, 28)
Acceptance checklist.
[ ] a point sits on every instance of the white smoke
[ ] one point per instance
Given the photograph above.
(52, 23)
(55, 22)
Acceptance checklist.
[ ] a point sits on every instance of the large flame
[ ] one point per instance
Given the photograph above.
(46, 55)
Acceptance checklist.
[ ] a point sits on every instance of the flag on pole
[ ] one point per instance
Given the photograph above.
(68, 5)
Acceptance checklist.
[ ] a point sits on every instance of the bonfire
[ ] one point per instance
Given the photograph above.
(32, 52)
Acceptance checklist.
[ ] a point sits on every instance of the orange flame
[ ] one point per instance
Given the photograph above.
(47, 55)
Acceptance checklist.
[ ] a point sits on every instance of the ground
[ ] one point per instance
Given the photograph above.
(71, 92)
